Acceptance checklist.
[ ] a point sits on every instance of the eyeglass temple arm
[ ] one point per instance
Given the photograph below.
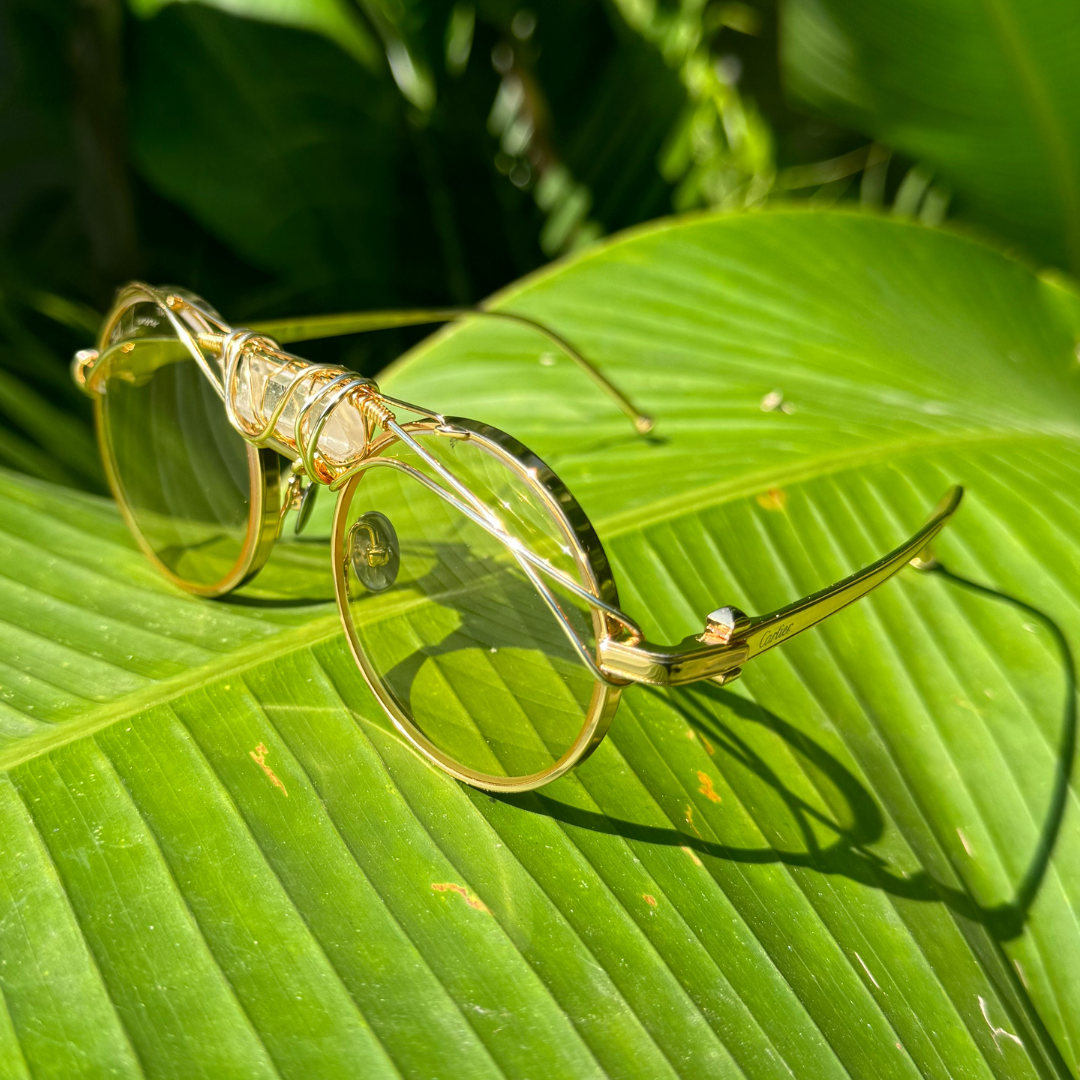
(731, 638)
(323, 326)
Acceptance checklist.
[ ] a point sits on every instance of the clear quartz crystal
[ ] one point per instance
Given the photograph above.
(262, 382)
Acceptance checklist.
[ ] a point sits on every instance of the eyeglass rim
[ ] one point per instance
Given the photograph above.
(264, 481)
(588, 553)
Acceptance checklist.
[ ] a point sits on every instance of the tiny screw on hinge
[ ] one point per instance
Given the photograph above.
(725, 624)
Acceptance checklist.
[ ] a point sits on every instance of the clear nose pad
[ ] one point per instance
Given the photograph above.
(373, 551)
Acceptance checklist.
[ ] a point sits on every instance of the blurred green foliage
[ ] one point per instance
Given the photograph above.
(317, 155)
(984, 96)
(300, 156)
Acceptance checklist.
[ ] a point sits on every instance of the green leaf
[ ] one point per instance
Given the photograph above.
(335, 19)
(295, 172)
(64, 437)
(862, 860)
(304, 163)
(984, 93)
(45, 426)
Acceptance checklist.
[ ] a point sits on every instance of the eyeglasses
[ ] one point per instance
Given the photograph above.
(475, 595)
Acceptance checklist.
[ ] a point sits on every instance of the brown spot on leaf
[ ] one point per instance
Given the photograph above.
(693, 857)
(650, 900)
(690, 819)
(470, 898)
(258, 755)
(773, 499)
(706, 788)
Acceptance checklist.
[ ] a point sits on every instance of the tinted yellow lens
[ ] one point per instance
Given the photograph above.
(451, 631)
(181, 470)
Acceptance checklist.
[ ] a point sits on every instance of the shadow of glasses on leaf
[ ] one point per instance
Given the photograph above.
(472, 654)
(475, 587)
(299, 574)
(849, 854)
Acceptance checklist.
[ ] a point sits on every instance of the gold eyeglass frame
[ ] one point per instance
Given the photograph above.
(239, 361)
(264, 465)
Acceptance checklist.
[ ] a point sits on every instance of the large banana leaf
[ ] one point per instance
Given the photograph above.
(985, 93)
(861, 860)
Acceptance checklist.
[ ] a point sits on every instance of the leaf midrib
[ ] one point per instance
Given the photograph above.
(329, 626)
(751, 483)
(160, 693)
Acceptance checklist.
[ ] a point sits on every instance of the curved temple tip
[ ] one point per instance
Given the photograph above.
(950, 502)
(925, 560)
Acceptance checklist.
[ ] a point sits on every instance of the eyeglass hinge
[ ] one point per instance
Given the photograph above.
(82, 364)
(725, 624)
(694, 659)
(726, 677)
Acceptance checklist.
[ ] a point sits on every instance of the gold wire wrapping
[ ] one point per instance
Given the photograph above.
(319, 389)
